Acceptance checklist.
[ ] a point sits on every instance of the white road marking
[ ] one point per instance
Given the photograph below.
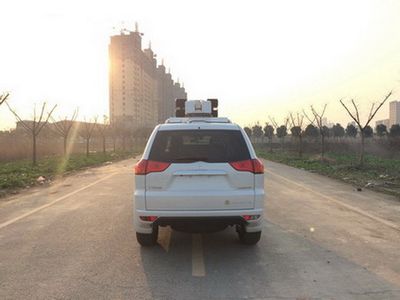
(2, 225)
(198, 268)
(164, 237)
(340, 203)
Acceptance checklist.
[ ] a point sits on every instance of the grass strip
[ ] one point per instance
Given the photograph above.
(21, 173)
(377, 173)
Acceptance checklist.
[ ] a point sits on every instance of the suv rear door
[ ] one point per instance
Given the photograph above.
(196, 173)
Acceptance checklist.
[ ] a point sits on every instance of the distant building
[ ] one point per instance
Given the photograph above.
(394, 113)
(142, 94)
(21, 125)
(384, 122)
(167, 92)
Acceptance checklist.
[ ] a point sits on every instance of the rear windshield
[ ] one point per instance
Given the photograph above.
(184, 146)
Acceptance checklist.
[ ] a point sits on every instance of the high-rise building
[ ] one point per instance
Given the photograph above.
(142, 94)
(167, 92)
(394, 113)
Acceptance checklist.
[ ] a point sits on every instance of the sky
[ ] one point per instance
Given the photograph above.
(259, 58)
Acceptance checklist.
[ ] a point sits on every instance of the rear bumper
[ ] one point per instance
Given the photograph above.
(239, 199)
(199, 224)
(256, 198)
(221, 217)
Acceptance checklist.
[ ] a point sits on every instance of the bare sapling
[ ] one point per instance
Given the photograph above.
(356, 117)
(4, 97)
(297, 129)
(103, 131)
(318, 121)
(34, 127)
(86, 132)
(281, 131)
(63, 128)
(269, 133)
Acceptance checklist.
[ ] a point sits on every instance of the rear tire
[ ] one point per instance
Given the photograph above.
(148, 239)
(248, 238)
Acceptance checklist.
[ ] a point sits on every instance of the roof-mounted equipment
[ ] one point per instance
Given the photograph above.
(180, 108)
(196, 108)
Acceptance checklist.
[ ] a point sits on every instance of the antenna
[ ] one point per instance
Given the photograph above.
(149, 45)
(136, 27)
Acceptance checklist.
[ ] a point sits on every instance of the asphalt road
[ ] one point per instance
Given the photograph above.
(322, 240)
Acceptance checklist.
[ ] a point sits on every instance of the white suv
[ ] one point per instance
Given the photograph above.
(199, 174)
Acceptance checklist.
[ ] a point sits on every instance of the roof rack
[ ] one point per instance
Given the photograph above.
(189, 120)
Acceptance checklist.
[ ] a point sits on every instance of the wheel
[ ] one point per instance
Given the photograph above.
(148, 239)
(248, 238)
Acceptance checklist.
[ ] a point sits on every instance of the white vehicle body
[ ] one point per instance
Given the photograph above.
(202, 189)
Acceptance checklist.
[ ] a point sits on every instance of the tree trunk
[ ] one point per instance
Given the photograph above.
(104, 144)
(362, 149)
(300, 145)
(87, 147)
(114, 142)
(322, 146)
(270, 144)
(34, 149)
(65, 146)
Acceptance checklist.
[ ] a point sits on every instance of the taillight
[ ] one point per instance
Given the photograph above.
(250, 217)
(140, 167)
(145, 166)
(243, 165)
(251, 165)
(148, 218)
(258, 166)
